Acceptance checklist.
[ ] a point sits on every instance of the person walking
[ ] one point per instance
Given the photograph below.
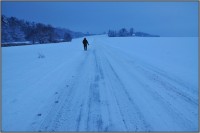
(85, 43)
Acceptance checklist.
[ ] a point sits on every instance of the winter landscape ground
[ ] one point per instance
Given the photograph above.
(119, 84)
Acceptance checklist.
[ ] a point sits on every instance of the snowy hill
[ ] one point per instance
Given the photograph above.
(119, 84)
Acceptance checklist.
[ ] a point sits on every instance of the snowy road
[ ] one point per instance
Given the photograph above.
(107, 89)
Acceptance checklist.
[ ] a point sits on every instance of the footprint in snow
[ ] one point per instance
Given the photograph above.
(39, 114)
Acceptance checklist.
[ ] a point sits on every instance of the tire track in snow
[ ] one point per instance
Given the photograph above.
(170, 84)
(77, 112)
(180, 119)
(79, 117)
(94, 120)
(49, 121)
(70, 112)
(153, 72)
(134, 120)
(167, 84)
(102, 73)
(149, 71)
(100, 77)
(141, 124)
(173, 79)
(176, 116)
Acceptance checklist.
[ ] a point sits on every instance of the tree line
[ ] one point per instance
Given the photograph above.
(16, 30)
(123, 32)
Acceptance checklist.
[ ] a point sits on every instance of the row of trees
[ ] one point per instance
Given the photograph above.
(121, 33)
(125, 33)
(15, 30)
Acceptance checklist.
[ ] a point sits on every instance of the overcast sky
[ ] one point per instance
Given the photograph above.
(160, 18)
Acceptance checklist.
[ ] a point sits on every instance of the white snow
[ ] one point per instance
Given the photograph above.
(119, 84)
(23, 42)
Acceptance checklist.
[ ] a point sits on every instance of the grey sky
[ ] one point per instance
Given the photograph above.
(161, 18)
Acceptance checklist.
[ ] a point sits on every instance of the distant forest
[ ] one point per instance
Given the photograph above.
(15, 30)
(128, 33)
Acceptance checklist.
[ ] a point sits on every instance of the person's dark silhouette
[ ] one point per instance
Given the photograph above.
(85, 43)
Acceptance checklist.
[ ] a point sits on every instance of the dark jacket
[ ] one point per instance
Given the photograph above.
(85, 42)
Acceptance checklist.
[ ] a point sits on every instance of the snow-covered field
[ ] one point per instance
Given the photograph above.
(119, 84)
